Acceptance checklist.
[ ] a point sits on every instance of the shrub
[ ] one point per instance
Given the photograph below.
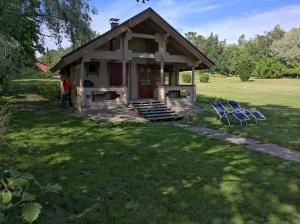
(268, 68)
(51, 92)
(204, 78)
(244, 66)
(48, 75)
(186, 77)
(294, 68)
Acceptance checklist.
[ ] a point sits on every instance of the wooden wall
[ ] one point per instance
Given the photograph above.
(100, 79)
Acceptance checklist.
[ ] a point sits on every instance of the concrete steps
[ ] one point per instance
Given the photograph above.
(154, 110)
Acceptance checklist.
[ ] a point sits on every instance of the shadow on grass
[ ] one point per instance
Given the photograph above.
(282, 126)
(148, 173)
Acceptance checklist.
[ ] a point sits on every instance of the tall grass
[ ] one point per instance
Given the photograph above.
(4, 119)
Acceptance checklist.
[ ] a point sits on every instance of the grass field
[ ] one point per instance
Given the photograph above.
(278, 99)
(145, 173)
(149, 173)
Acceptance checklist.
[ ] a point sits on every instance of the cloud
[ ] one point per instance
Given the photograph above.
(199, 16)
(250, 24)
(172, 10)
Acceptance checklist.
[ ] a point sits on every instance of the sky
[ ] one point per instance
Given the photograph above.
(227, 18)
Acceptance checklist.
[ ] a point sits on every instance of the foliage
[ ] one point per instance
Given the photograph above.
(259, 47)
(212, 47)
(4, 119)
(9, 57)
(51, 57)
(17, 190)
(294, 68)
(244, 66)
(31, 211)
(227, 56)
(23, 22)
(287, 48)
(186, 77)
(233, 54)
(268, 68)
(51, 92)
(204, 78)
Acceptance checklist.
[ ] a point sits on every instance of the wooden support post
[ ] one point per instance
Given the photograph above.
(177, 76)
(162, 71)
(124, 72)
(193, 75)
(81, 73)
(125, 54)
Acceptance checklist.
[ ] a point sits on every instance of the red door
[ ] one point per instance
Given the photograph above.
(116, 74)
(146, 81)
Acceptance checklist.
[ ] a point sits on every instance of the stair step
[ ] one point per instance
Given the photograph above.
(157, 112)
(151, 108)
(154, 110)
(160, 115)
(146, 106)
(144, 103)
(172, 117)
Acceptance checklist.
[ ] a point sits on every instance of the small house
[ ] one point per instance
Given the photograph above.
(139, 59)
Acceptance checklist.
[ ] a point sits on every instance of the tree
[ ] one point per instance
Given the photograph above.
(233, 53)
(69, 18)
(9, 58)
(259, 46)
(196, 39)
(25, 22)
(242, 40)
(269, 68)
(244, 66)
(53, 56)
(277, 33)
(294, 68)
(287, 48)
(212, 47)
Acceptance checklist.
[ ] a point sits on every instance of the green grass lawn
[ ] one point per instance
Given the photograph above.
(278, 99)
(145, 173)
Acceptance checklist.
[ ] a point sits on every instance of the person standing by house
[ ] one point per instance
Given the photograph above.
(66, 89)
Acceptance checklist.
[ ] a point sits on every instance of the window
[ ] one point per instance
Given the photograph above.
(93, 68)
(167, 78)
(146, 76)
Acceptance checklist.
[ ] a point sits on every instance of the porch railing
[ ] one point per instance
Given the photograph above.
(86, 95)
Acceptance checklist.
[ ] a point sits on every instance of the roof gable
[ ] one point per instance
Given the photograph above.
(124, 27)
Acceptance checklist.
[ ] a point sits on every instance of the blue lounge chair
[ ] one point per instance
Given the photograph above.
(224, 113)
(254, 113)
(258, 116)
(221, 111)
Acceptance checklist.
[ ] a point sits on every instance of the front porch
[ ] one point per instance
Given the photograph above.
(142, 81)
(134, 66)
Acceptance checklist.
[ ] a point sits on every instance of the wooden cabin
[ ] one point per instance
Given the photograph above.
(136, 60)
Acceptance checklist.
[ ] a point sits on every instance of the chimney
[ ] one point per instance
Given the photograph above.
(114, 22)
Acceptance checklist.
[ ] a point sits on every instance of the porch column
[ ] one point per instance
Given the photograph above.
(193, 83)
(124, 72)
(162, 71)
(193, 75)
(81, 77)
(174, 78)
